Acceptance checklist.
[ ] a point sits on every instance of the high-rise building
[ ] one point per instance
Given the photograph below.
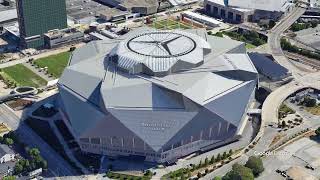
(37, 17)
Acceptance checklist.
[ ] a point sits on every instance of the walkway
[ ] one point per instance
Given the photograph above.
(38, 56)
(39, 73)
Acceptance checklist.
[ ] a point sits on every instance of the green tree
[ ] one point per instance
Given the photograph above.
(318, 131)
(224, 155)
(239, 172)
(8, 141)
(255, 164)
(34, 153)
(43, 164)
(272, 24)
(218, 157)
(200, 164)
(283, 124)
(217, 178)
(314, 24)
(148, 173)
(206, 161)
(230, 152)
(18, 168)
(212, 160)
(310, 102)
(9, 178)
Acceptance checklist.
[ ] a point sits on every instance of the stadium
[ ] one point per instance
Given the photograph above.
(160, 95)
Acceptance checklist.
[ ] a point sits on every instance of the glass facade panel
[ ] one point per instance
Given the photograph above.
(37, 17)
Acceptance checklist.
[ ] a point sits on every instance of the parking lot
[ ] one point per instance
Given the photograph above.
(295, 160)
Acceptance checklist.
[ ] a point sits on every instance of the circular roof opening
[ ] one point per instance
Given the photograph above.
(159, 53)
(161, 44)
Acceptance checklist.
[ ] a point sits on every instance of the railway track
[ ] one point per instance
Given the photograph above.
(304, 60)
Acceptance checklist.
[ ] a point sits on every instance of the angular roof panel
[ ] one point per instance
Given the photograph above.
(231, 106)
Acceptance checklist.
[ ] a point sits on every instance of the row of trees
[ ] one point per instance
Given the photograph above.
(300, 26)
(251, 37)
(309, 102)
(252, 168)
(146, 176)
(286, 45)
(35, 161)
(186, 172)
(318, 132)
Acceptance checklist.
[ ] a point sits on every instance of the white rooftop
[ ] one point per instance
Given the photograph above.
(160, 52)
(267, 5)
(202, 17)
(8, 15)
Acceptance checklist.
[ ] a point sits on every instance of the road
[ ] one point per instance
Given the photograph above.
(56, 164)
(274, 100)
(38, 56)
(275, 37)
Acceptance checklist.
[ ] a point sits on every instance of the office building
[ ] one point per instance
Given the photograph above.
(56, 38)
(239, 11)
(37, 17)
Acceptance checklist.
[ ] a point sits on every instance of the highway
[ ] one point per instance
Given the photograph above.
(275, 37)
(56, 164)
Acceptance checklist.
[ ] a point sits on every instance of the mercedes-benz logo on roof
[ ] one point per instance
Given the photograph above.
(161, 44)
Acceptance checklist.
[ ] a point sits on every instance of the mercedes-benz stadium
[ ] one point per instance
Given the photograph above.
(160, 95)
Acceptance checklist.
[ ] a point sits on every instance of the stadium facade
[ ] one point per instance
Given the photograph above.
(157, 94)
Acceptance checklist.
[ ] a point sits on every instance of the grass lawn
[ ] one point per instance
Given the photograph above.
(170, 24)
(314, 110)
(55, 63)
(24, 76)
(250, 46)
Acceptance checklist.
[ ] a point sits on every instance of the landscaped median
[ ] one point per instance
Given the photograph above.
(204, 167)
(19, 75)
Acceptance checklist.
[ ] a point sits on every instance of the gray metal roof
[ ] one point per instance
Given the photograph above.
(158, 52)
(267, 67)
(8, 15)
(98, 92)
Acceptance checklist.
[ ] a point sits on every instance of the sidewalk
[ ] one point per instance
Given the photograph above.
(39, 73)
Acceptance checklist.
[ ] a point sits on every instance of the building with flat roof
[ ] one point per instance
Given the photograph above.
(37, 17)
(239, 11)
(143, 7)
(56, 38)
(156, 94)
